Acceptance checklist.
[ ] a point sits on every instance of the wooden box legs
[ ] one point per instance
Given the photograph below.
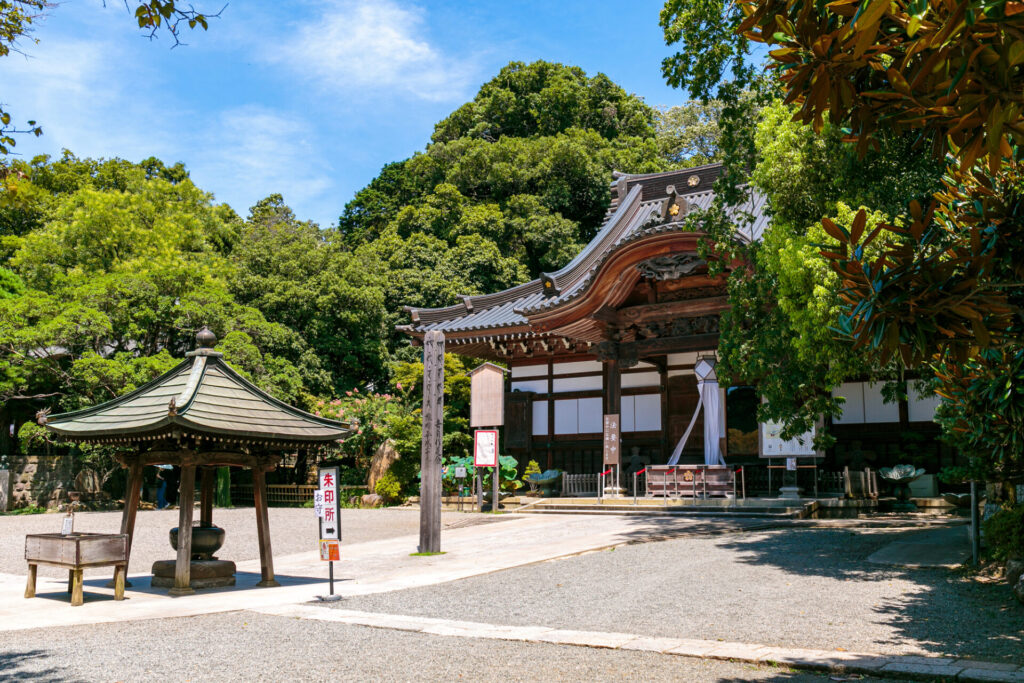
(77, 598)
(119, 573)
(30, 587)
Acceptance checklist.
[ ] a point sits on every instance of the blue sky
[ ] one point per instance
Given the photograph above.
(308, 99)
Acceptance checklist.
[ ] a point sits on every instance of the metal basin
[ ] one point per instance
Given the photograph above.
(206, 540)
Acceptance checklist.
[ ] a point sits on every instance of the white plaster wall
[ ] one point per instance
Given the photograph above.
(590, 416)
(640, 379)
(566, 416)
(577, 366)
(688, 358)
(529, 370)
(647, 412)
(875, 409)
(627, 414)
(577, 383)
(853, 409)
(538, 385)
(540, 418)
(921, 408)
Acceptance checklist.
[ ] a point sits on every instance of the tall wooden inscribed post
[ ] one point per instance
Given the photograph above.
(433, 432)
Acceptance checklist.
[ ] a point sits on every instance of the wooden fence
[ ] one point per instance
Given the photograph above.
(282, 495)
(579, 484)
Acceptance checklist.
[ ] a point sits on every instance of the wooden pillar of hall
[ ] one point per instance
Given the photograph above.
(612, 387)
(132, 494)
(186, 505)
(259, 495)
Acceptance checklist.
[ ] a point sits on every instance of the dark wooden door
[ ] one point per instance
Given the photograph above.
(682, 401)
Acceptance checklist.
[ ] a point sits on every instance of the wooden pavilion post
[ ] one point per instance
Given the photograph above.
(186, 503)
(132, 494)
(433, 433)
(206, 496)
(259, 495)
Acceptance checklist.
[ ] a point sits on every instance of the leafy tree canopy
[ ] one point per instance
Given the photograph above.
(513, 184)
(543, 98)
(112, 287)
(780, 330)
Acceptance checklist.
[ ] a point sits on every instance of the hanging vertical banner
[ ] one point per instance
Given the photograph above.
(485, 448)
(611, 439)
(330, 513)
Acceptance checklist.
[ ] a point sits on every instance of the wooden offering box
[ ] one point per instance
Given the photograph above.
(76, 552)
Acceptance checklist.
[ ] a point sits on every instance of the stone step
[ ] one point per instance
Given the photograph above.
(671, 511)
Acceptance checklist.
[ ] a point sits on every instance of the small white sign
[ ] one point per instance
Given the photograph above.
(774, 446)
(460, 472)
(67, 525)
(791, 464)
(485, 448)
(330, 524)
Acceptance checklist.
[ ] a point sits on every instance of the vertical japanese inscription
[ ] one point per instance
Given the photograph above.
(433, 432)
(612, 454)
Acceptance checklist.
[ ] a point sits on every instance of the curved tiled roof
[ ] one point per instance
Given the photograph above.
(202, 395)
(638, 202)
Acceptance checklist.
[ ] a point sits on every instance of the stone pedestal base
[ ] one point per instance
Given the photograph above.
(791, 492)
(614, 492)
(202, 573)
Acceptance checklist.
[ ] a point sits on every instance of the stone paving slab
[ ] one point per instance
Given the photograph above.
(651, 644)
(933, 549)
(910, 666)
(587, 638)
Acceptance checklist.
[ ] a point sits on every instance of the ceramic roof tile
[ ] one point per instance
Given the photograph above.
(219, 403)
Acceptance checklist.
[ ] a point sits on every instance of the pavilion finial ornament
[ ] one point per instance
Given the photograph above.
(41, 417)
(205, 338)
(172, 407)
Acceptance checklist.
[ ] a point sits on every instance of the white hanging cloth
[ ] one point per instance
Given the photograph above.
(707, 391)
(711, 398)
(678, 450)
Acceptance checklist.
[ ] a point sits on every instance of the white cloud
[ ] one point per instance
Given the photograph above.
(80, 92)
(252, 151)
(374, 45)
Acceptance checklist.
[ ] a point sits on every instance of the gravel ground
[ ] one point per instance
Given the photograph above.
(292, 530)
(800, 588)
(244, 646)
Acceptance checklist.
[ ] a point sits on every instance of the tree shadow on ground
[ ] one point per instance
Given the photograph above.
(942, 611)
(27, 665)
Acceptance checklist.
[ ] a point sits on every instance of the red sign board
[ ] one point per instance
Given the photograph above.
(330, 551)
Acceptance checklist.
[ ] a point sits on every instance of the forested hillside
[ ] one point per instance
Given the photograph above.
(107, 267)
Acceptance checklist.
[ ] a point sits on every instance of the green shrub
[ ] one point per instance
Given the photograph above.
(27, 510)
(389, 488)
(1004, 533)
(531, 468)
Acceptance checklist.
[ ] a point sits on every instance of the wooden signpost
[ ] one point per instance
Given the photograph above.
(433, 432)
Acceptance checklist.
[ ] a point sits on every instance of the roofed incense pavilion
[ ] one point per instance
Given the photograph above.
(200, 414)
(620, 329)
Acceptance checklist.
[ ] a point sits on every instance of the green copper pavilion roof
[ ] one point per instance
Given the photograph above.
(202, 397)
